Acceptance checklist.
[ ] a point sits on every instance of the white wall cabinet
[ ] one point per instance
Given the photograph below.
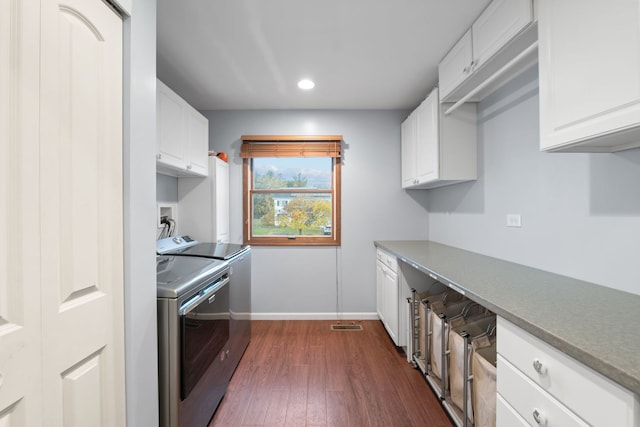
(203, 204)
(545, 386)
(182, 135)
(493, 40)
(589, 75)
(438, 149)
(456, 66)
(388, 293)
(408, 148)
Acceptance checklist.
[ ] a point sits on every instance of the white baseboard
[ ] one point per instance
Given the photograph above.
(314, 316)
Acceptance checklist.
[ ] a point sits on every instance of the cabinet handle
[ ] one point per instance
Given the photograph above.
(539, 367)
(158, 156)
(189, 166)
(539, 417)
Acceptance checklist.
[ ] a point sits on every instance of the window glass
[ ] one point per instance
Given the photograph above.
(301, 203)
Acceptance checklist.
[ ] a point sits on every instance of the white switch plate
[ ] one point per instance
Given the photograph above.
(514, 220)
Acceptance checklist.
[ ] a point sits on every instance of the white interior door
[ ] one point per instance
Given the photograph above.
(81, 214)
(20, 325)
(61, 267)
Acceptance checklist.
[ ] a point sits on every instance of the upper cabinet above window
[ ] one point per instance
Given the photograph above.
(589, 75)
(501, 42)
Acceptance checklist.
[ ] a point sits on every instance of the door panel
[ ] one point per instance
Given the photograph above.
(81, 213)
(20, 345)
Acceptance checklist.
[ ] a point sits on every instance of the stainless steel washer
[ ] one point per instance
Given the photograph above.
(193, 338)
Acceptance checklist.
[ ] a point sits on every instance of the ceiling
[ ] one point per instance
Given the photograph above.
(362, 54)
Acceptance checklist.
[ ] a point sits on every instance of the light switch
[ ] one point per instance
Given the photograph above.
(514, 220)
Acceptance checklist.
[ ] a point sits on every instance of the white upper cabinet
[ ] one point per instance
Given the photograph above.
(407, 147)
(589, 75)
(456, 66)
(500, 43)
(197, 142)
(497, 25)
(438, 149)
(182, 143)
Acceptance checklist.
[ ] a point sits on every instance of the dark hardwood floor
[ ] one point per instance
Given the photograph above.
(301, 373)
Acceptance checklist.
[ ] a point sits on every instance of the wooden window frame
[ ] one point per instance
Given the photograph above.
(291, 146)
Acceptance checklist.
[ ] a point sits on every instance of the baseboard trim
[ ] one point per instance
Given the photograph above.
(314, 316)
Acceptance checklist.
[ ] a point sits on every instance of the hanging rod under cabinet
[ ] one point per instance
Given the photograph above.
(504, 69)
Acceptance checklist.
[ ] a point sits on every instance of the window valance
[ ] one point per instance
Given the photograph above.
(291, 146)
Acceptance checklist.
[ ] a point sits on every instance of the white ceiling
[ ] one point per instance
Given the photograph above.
(362, 54)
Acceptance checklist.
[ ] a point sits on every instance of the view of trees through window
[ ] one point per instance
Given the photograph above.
(292, 196)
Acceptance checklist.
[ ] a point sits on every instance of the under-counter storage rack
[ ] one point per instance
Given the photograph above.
(447, 333)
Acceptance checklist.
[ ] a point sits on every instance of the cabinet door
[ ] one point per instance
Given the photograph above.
(171, 148)
(589, 74)
(390, 301)
(221, 200)
(380, 290)
(408, 147)
(427, 139)
(197, 142)
(455, 67)
(497, 25)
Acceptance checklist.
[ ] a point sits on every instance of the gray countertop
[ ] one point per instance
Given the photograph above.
(596, 325)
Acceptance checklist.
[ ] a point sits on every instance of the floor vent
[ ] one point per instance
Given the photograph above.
(346, 327)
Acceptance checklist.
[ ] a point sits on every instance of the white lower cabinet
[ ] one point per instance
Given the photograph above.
(387, 293)
(547, 387)
(506, 415)
(530, 401)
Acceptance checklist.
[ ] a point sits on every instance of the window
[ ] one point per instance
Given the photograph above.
(291, 190)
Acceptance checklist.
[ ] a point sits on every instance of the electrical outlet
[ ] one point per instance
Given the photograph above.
(514, 220)
(169, 211)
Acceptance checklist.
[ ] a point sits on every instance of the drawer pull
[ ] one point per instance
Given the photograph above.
(539, 367)
(540, 419)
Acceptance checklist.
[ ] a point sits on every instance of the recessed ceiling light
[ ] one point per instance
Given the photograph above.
(306, 84)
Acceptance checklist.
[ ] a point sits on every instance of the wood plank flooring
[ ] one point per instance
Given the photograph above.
(301, 373)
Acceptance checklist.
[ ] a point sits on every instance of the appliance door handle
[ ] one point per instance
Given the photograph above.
(188, 306)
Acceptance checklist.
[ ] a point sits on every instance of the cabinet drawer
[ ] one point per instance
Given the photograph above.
(388, 260)
(506, 416)
(581, 389)
(530, 401)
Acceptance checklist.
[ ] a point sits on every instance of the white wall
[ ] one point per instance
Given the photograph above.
(313, 282)
(139, 213)
(580, 212)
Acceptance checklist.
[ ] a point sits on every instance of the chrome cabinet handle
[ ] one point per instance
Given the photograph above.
(189, 166)
(539, 417)
(158, 156)
(539, 367)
